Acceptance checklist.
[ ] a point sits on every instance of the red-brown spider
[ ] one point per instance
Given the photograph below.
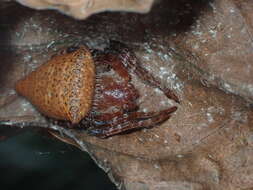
(93, 90)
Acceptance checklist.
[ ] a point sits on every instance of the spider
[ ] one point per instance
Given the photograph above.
(107, 105)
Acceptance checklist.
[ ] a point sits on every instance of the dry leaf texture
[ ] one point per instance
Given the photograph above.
(81, 9)
(200, 49)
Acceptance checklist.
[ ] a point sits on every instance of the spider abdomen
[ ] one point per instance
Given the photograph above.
(63, 87)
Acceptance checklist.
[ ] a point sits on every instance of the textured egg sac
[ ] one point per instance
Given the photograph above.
(63, 87)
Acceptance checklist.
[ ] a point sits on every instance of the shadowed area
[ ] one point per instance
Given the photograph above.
(30, 161)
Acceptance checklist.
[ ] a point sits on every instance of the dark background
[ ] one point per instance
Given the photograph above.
(32, 161)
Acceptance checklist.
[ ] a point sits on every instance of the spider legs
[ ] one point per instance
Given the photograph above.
(126, 118)
(130, 61)
(114, 63)
(128, 122)
(143, 74)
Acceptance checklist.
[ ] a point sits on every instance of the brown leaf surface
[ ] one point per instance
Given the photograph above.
(202, 50)
(83, 8)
